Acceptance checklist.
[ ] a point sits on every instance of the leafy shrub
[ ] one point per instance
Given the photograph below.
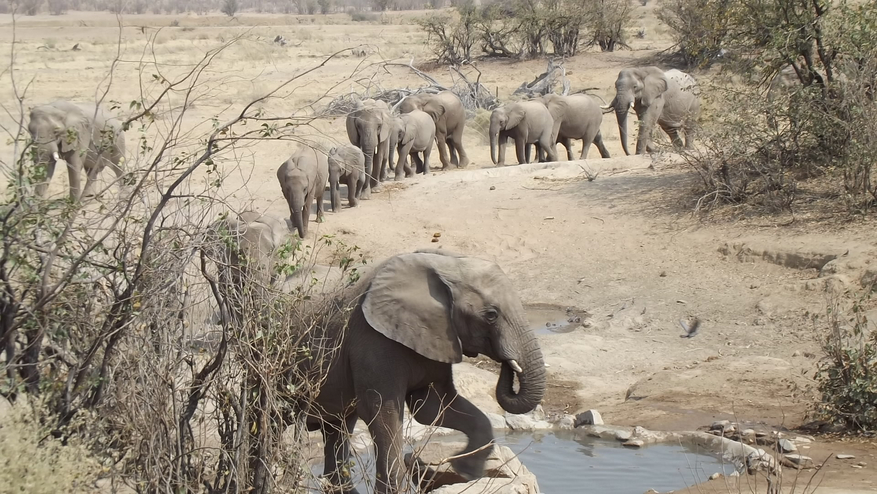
(699, 27)
(847, 372)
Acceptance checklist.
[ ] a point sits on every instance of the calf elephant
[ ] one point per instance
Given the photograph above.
(576, 117)
(666, 98)
(527, 122)
(415, 135)
(347, 165)
(368, 128)
(410, 319)
(449, 116)
(83, 135)
(303, 179)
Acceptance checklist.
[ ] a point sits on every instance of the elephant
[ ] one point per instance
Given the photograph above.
(399, 330)
(449, 116)
(397, 125)
(346, 164)
(83, 135)
(303, 179)
(576, 117)
(415, 135)
(251, 255)
(526, 122)
(666, 98)
(368, 128)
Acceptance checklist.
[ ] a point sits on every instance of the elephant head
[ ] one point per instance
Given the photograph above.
(503, 118)
(296, 176)
(444, 306)
(368, 126)
(640, 87)
(57, 129)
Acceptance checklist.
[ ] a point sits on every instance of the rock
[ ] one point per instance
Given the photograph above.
(565, 422)
(493, 187)
(634, 443)
(787, 446)
(503, 472)
(497, 421)
(720, 425)
(799, 461)
(857, 466)
(623, 435)
(802, 440)
(840, 456)
(590, 417)
(527, 422)
(715, 476)
(761, 460)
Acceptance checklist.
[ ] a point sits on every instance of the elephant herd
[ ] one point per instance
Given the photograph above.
(415, 314)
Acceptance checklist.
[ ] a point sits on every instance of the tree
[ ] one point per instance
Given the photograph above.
(230, 7)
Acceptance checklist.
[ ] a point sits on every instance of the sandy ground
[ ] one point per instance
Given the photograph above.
(623, 251)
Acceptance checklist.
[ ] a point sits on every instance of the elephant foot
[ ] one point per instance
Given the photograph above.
(377, 189)
(470, 467)
(463, 163)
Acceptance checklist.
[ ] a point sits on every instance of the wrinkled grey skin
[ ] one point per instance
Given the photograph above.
(368, 128)
(81, 135)
(251, 255)
(576, 117)
(668, 99)
(449, 116)
(346, 165)
(412, 317)
(413, 134)
(397, 127)
(303, 179)
(527, 122)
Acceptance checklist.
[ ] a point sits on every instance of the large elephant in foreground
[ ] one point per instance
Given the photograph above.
(410, 319)
(527, 122)
(449, 116)
(83, 135)
(668, 99)
(303, 179)
(577, 116)
(368, 128)
(413, 135)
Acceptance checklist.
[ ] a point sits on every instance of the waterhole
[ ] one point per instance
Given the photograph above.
(567, 462)
(548, 318)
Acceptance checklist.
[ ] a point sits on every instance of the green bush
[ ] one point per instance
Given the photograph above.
(847, 372)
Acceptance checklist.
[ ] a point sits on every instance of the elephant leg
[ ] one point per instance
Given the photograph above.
(673, 133)
(452, 149)
(426, 154)
(352, 191)
(381, 408)
(91, 173)
(520, 150)
(503, 141)
(319, 198)
(598, 141)
(441, 142)
(442, 406)
(43, 185)
(567, 143)
(74, 167)
(457, 142)
(419, 164)
(549, 147)
(336, 453)
(646, 125)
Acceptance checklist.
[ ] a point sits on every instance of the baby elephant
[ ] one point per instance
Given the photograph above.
(414, 135)
(303, 179)
(347, 165)
(80, 134)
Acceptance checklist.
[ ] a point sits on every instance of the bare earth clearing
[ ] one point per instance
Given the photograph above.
(623, 250)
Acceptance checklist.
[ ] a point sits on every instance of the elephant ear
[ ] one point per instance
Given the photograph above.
(410, 300)
(76, 131)
(352, 133)
(385, 126)
(515, 116)
(654, 85)
(434, 109)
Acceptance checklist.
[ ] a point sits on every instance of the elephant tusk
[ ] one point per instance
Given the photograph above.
(515, 367)
(56, 156)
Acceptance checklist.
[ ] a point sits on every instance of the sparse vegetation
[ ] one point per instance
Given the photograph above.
(230, 7)
(527, 29)
(817, 120)
(847, 373)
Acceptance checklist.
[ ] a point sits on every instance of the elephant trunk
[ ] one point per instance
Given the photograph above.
(494, 140)
(393, 142)
(531, 378)
(369, 144)
(297, 218)
(335, 195)
(622, 107)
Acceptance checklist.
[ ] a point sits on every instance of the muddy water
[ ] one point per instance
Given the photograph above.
(548, 318)
(567, 462)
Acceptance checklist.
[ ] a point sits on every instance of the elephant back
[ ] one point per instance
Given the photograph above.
(348, 157)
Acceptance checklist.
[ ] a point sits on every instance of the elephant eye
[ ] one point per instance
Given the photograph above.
(491, 315)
